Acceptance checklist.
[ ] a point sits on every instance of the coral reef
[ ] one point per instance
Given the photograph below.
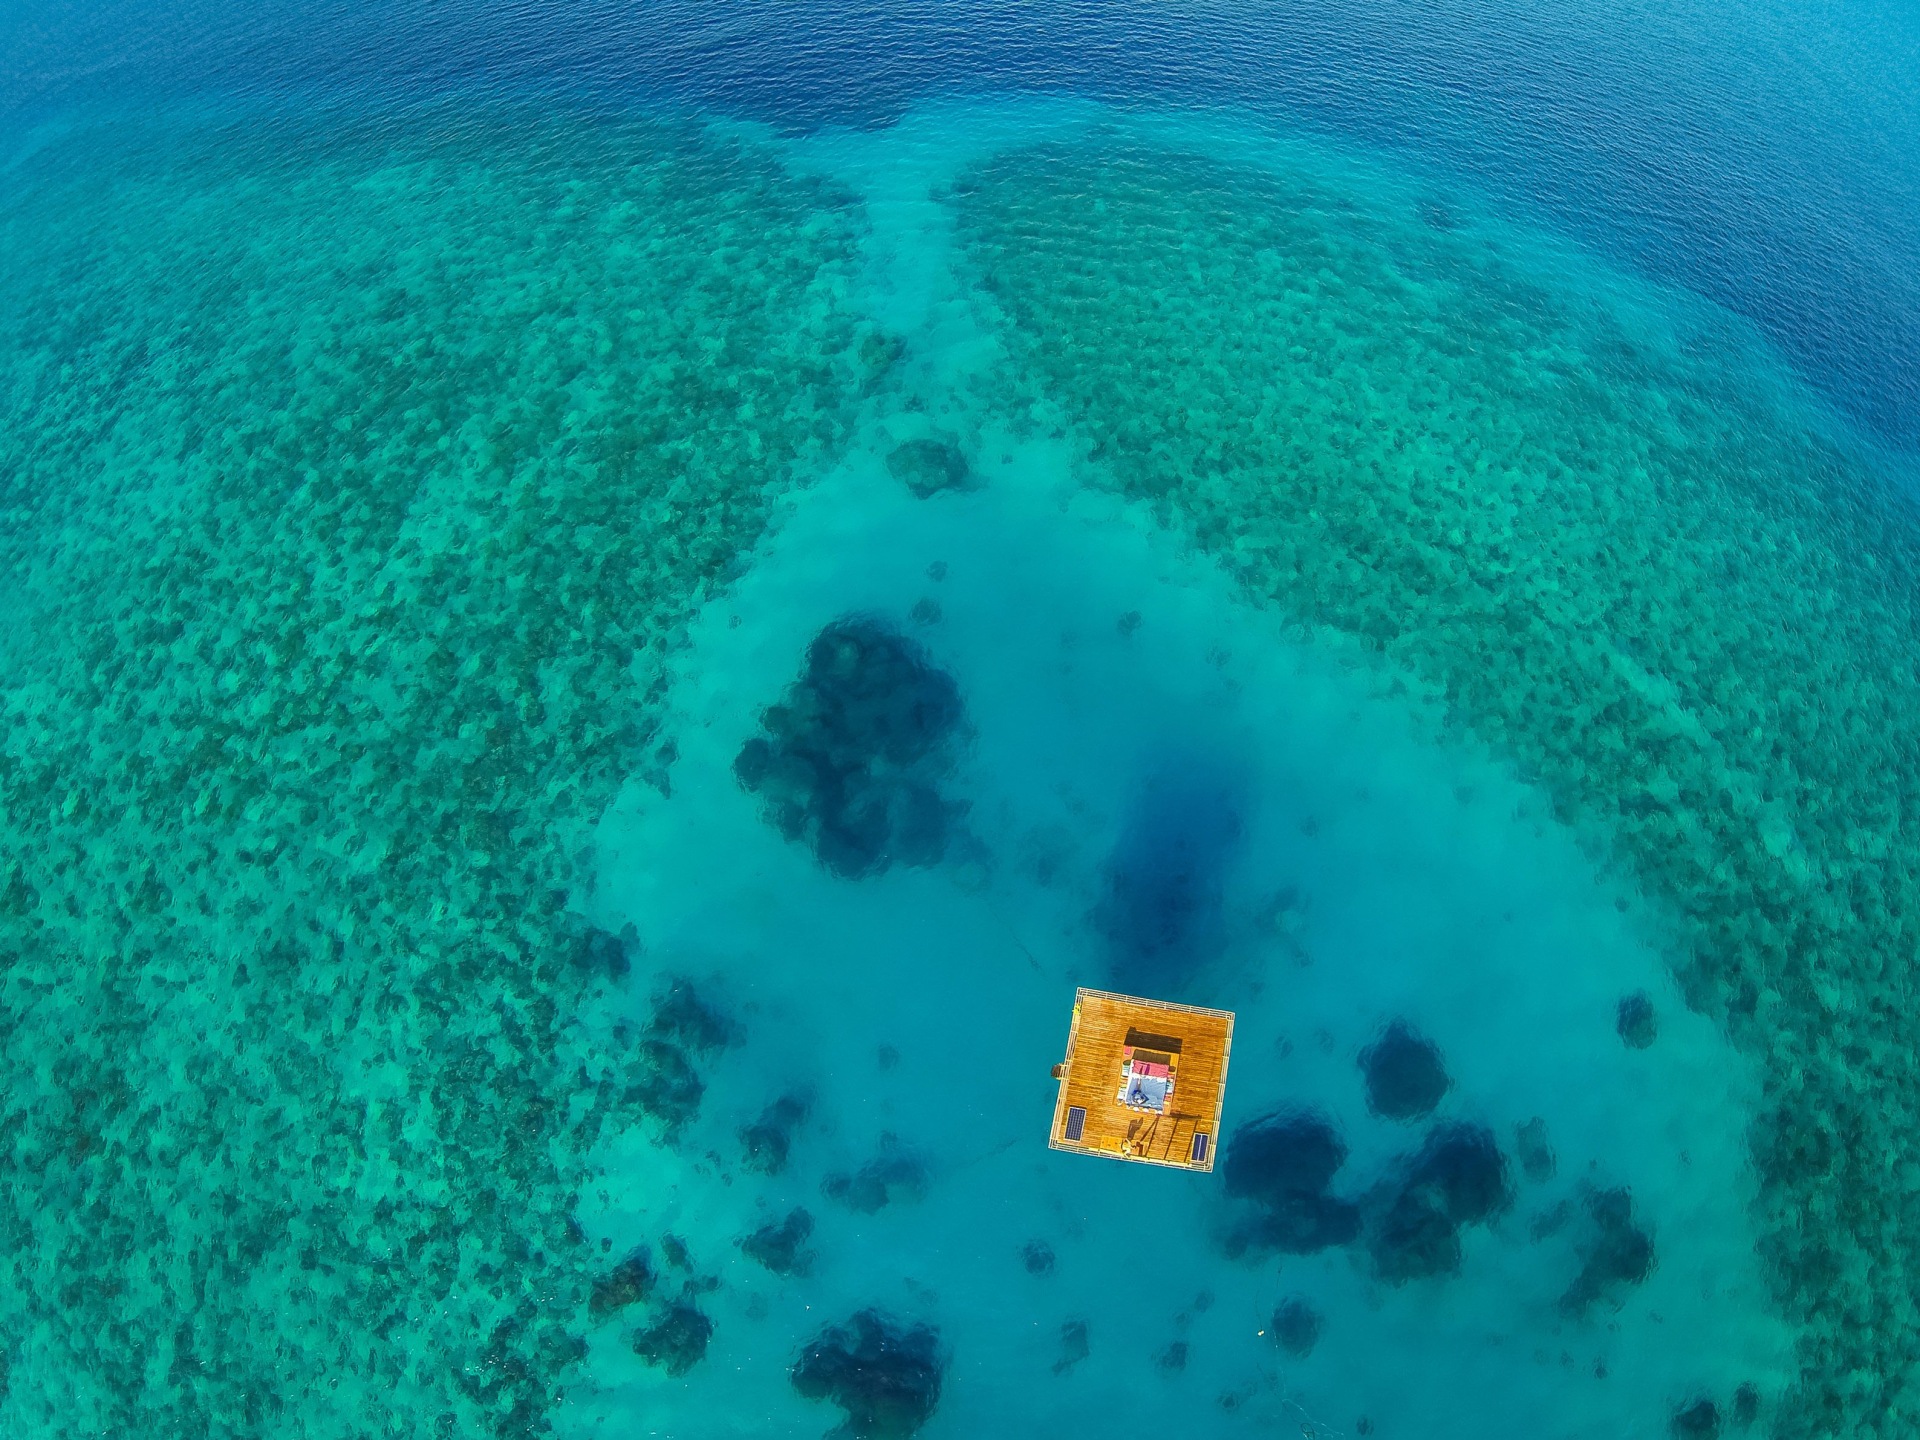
(885, 1376)
(682, 1017)
(664, 1084)
(1073, 1346)
(355, 474)
(603, 956)
(1636, 1022)
(1699, 1420)
(1295, 1328)
(1037, 1256)
(782, 1248)
(1284, 1164)
(1458, 1178)
(1462, 1169)
(897, 1172)
(926, 467)
(1404, 1073)
(627, 1283)
(850, 761)
(1623, 548)
(768, 1140)
(1615, 1252)
(677, 1341)
(1534, 1150)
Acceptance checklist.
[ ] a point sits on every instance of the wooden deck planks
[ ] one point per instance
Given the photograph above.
(1091, 1074)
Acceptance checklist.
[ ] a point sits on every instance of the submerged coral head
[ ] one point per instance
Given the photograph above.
(886, 1376)
(849, 763)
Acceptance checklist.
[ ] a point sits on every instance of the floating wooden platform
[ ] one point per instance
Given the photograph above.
(1143, 1080)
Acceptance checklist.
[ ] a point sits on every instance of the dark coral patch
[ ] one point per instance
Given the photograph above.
(1283, 1154)
(1462, 1169)
(628, 1282)
(896, 1173)
(926, 467)
(782, 1248)
(682, 1016)
(1404, 1073)
(1296, 1328)
(1635, 1021)
(1458, 1178)
(768, 1140)
(1616, 1253)
(666, 1085)
(848, 764)
(677, 1341)
(1073, 1346)
(1413, 1240)
(1284, 1164)
(1697, 1421)
(602, 955)
(885, 1376)
(1037, 1256)
(1531, 1144)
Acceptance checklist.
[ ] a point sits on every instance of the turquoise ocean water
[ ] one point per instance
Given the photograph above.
(608, 610)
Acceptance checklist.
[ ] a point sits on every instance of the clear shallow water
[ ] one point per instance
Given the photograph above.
(413, 509)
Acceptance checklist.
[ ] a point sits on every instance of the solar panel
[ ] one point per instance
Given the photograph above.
(1199, 1149)
(1076, 1121)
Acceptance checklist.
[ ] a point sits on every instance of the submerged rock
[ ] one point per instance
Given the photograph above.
(1404, 1074)
(677, 1341)
(885, 1376)
(1037, 1256)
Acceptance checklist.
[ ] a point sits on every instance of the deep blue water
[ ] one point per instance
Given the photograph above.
(1768, 159)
